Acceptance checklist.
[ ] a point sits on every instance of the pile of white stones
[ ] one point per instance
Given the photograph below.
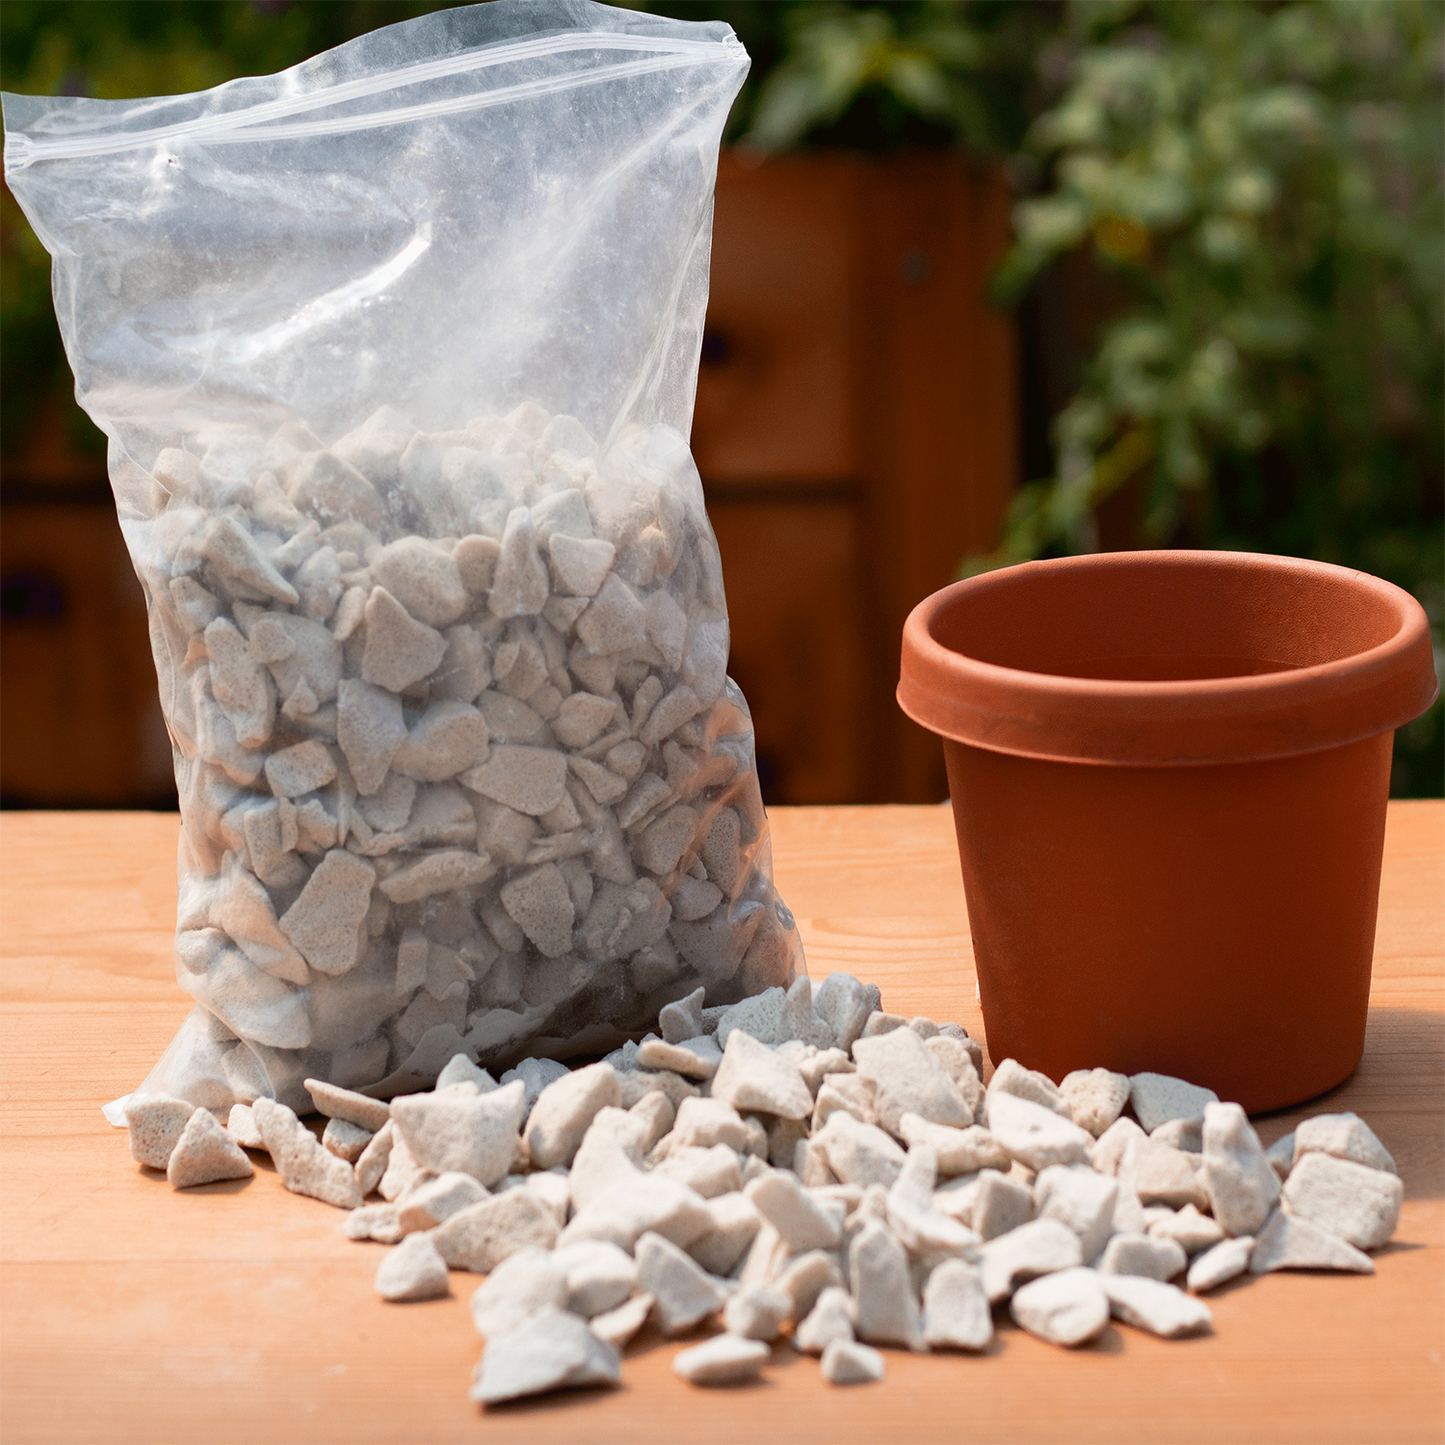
(803, 1162)
(459, 766)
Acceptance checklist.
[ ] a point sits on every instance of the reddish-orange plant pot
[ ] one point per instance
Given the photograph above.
(1169, 773)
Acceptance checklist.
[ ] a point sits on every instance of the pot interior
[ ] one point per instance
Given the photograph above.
(1182, 616)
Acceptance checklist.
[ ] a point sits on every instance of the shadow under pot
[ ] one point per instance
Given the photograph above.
(1169, 773)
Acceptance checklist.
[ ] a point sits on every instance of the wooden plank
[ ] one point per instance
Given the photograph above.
(238, 1311)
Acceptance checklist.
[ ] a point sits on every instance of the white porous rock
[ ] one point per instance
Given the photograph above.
(1286, 1242)
(859, 1153)
(1186, 1135)
(413, 1270)
(927, 1233)
(908, 1079)
(472, 1133)
(1160, 1174)
(1012, 1078)
(599, 1275)
(610, 1153)
(241, 1126)
(655, 1115)
(1158, 1098)
(345, 1104)
(156, 1122)
(757, 1312)
(818, 1066)
(682, 1020)
(565, 1110)
(853, 1094)
(1359, 1204)
(1000, 1204)
(535, 1075)
(428, 1204)
(325, 922)
(710, 1172)
(959, 1151)
(1225, 1261)
(552, 1350)
(1141, 1254)
(733, 1225)
(694, 1058)
(630, 1208)
(551, 1186)
(374, 1221)
(805, 1278)
(1281, 1155)
(753, 1077)
(402, 1172)
(369, 730)
(205, 1153)
(481, 1236)
(683, 1293)
(802, 1221)
(399, 650)
(704, 1122)
(618, 1326)
(956, 1312)
(1240, 1181)
(1040, 1247)
(1067, 1308)
(459, 1069)
(346, 1141)
(957, 1057)
(761, 1017)
(1345, 1136)
(1096, 1097)
(1113, 1144)
(372, 1163)
(524, 1284)
(846, 1362)
(881, 1022)
(845, 1005)
(1150, 1304)
(830, 1319)
(1034, 1135)
(1189, 1229)
(726, 1359)
(1079, 1198)
(887, 1309)
(304, 1166)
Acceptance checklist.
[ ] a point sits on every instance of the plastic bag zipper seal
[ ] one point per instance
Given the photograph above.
(240, 126)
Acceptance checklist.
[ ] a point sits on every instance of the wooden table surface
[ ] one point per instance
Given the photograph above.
(239, 1312)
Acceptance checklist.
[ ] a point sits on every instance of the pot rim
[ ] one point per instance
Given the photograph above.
(1173, 723)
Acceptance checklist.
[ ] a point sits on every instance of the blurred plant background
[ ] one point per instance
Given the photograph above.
(1227, 266)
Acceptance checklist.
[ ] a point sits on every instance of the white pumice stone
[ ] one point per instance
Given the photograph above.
(959, 1151)
(846, 1362)
(1359, 1204)
(682, 1020)
(1109, 1150)
(683, 1293)
(471, 1133)
(304, 1166)
(479, 1237)
(1096, 1097)
(1150, 1304)
(803, 1222)
(599, 1275)
(881, 1022)
(522, 1285)
(830, 1319)
(1012, 1078)
(565, 1110)
(206, 1153)
(241, 1126)
(1067, 1308)
(1240, 1181)
(552, 1188)
(1158, 1098)
(710, 1172)
(373, 1161)
(630, 1208)
(956, 1312)
(757, 1312)
(817, 1066)
(1189, 1229)
(753, 1077)
(1078, 1197)
(761, 1017)
(553, 1350)
(325, 921)
(1186, 1135)
(399, 650)
(925, 1232)
(428, 1204)
(1139, 1254)
(1281, 1155)
(374, 1221)
(1345, 1136)
(726, 1359)
(345, 1104)
(413, 1270)
(1037, 1248)
(854, 1095)
(618, 1326)
(1225, 1261)
(459, 1069)
(369, 730)
(156, 1123)
(805, 1278)
(346, 1141)
(610, 1153)
(1287, 1242)
(859, 1153)
(1034, 1135)
(908, 1079)
(733, 1224)
(887, 1310)
(957, 1057)
(845, 1005)
(1160, 1174)
(694, 1058)
(1000, 1204)
(535, 1075)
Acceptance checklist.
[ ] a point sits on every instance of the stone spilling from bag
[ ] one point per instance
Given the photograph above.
(841, 1179)
(460, 769)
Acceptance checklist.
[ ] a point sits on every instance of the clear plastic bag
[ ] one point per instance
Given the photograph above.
(396, 353)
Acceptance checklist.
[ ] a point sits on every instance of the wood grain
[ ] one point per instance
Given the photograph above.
(238, 1312)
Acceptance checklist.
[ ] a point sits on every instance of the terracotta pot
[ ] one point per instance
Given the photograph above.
(1169, 773)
